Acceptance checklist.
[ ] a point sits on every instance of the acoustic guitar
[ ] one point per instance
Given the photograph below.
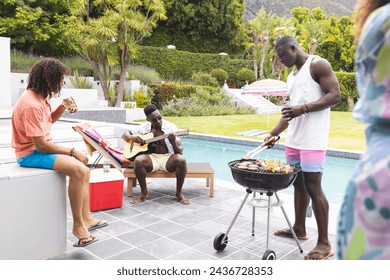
(133, 149)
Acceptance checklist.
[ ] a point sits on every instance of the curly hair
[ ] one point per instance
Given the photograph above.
(46, 77)
(363, 9)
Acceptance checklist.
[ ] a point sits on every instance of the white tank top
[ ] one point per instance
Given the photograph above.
(310, 131)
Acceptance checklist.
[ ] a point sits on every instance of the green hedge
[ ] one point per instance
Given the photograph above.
(346, 78)
(172, 64)
(162, 93)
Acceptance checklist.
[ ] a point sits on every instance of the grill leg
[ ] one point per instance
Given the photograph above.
(248, 192)
(289, 224)
(269, 194)
(253, 216)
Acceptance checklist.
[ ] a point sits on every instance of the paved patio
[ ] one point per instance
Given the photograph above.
(163, 229)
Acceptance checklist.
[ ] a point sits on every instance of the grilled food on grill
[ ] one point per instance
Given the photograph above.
(265, 165)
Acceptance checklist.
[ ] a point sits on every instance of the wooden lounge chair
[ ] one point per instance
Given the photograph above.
(194, 169)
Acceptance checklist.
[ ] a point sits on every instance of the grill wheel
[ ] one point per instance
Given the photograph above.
(269, 255)
(218, 245)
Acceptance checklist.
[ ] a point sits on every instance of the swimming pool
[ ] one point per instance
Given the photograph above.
(334, 181)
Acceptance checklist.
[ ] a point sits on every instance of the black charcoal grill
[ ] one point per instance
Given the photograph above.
(260, 179)
(262, 182)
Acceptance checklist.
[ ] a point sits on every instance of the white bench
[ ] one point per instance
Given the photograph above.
(32, 213)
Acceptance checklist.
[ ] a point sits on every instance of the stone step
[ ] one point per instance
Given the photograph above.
(261, 104)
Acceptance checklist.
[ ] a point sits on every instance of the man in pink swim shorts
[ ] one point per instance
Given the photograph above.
(313, 88)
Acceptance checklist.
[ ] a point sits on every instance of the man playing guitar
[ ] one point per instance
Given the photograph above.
(165, 154)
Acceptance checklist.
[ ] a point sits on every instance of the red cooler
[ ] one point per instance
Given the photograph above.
(105, 189)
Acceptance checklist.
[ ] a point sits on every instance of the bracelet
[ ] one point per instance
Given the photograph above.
(72, 152)
(307, 109)
(303, 108)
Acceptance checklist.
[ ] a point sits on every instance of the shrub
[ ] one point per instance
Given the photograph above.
(141, 99)
(22, 63)
(162, 93)
(204, 79)
(79, 82)
(112, 93)
(129, 105)
(145, 74)
(220, 74)
(204, 102)
(180, 65)
(348, 90)
(349, 93)
(79, 64)
(244, 76)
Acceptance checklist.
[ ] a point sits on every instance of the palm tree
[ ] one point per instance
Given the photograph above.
(312, 33)
(111, 37)
(261, 27)
(349, 92)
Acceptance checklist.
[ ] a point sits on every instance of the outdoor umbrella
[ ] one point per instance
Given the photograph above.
(266, 87)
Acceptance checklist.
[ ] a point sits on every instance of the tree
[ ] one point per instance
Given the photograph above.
(262, 29)
(207, 26)
(330, 38)
(109, 34)
(284, 27)
(312, 26)
(35, 26)
(338, 47)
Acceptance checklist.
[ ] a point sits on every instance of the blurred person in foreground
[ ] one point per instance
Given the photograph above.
(364, 218)
(313, 88)
(32, 119)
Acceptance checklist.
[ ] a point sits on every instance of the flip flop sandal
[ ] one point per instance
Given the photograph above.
(184, 201)
(138, 199)
(99, 224)
(319, 255)
(287, 233)
(80, 243)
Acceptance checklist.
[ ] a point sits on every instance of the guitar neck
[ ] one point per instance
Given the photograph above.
(154, 139)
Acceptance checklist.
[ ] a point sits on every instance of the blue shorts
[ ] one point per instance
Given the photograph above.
(38, 159)
(307, 160)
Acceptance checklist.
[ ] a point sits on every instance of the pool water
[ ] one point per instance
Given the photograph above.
(334, 180)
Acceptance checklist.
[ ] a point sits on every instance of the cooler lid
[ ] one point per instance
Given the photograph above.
(98, 175)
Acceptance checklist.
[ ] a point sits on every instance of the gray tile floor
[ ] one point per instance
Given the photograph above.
(162, 228)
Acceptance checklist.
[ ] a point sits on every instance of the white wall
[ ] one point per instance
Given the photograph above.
(130, 86)
(19, 84)
(5, 72)
(85, 98)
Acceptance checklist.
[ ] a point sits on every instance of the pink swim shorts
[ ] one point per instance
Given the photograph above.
(307, 160)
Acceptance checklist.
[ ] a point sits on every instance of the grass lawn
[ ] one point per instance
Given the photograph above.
(345, 132)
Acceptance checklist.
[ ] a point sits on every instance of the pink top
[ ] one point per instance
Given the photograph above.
(31, 117)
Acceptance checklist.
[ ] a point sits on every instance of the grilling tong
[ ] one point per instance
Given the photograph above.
(262, 147)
